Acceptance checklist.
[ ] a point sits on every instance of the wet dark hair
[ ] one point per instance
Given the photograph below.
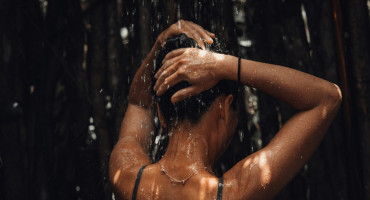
(193, 107)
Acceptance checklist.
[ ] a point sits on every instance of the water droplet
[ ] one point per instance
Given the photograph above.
(108, 106)
(91, 127)
(241, 136)
(93, 135)
(32, 89)
(124, 33)
(157, 139)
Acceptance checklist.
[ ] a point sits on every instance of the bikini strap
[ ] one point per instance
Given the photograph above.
(137, 182)
(220, 188)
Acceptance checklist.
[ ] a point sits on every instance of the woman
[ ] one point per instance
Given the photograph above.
(192, 76)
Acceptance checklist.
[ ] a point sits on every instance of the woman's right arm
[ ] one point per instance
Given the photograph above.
(263, 174)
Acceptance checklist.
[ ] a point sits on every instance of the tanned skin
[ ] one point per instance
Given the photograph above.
(194, 148)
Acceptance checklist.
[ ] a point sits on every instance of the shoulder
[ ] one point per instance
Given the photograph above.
(249, 179)
(123, 173)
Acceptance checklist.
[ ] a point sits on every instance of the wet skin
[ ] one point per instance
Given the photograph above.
(195, 147)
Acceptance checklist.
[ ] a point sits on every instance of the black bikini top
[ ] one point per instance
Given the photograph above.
(138, 177)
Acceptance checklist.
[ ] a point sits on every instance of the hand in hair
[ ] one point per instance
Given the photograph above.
(190, 29)
(141, 91)
(195, 66)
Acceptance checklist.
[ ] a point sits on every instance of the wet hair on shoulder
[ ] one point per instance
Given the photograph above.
(193, 107)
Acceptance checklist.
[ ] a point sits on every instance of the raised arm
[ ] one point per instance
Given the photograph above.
(262, 174)
(132, 148)
(316, 100)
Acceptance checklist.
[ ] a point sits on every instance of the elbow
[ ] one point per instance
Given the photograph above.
(334, 97)
(337, 95)
(113, 168)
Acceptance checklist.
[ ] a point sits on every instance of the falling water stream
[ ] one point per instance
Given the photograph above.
(248, 128)
(67, 68)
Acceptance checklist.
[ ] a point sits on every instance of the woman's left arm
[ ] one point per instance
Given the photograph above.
(132, 148)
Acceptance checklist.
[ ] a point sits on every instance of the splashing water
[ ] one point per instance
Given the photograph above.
(178, 15)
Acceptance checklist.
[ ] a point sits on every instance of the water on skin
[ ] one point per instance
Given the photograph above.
(205, 61)
(129, 158)
(251, 166)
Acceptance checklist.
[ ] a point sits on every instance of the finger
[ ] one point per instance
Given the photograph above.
(193, 33)
(204, 38)
(188, 28)
(166, 65)
(198, 38)
(158, 83)
(212, 35)
(174, 53)
(202, 30)
(169, 82)
(160, 80)
(163, 76)
(173, 30)
(173, 68)
(184, 94)
(207, 38)
(185, 24)
(205, 35)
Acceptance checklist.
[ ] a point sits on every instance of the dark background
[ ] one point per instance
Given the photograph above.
(66, 67)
